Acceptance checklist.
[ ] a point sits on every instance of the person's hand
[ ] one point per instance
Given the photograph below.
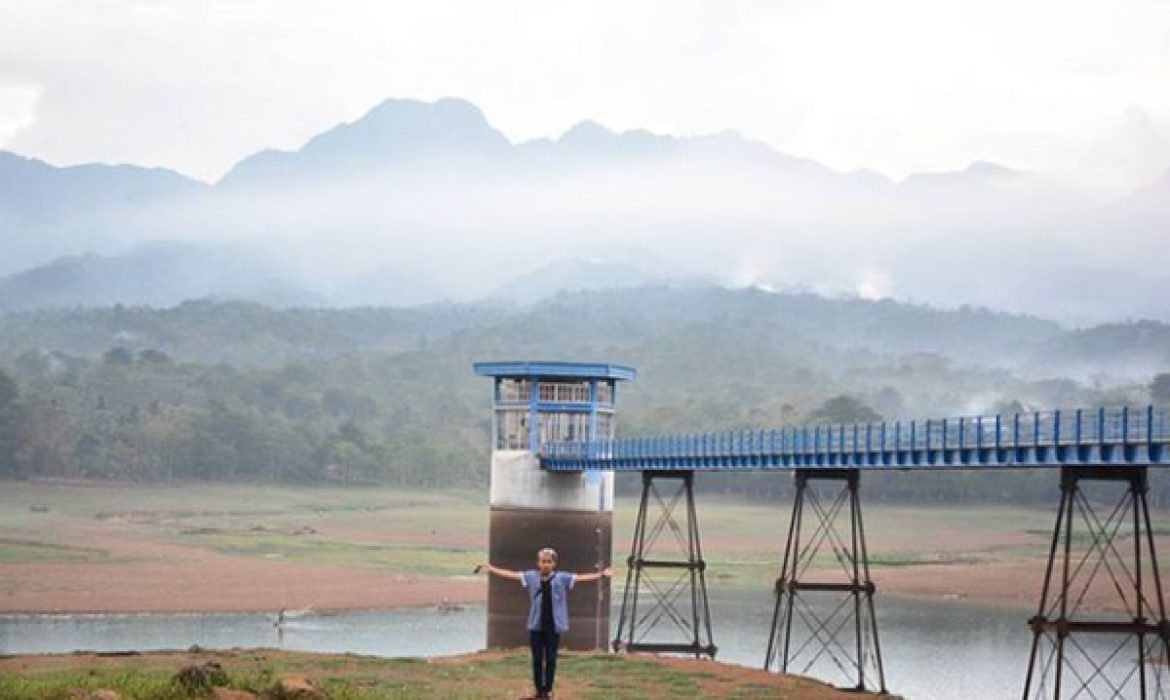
(480, 567)
(607, 572)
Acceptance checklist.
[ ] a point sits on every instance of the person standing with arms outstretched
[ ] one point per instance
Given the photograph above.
(548, 611)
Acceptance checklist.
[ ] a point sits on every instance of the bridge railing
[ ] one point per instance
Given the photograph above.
(1097, 426)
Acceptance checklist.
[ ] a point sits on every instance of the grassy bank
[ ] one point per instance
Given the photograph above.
(103, 536)
(273, 675)
(442, 533)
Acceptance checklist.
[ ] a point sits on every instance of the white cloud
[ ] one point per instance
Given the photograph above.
(873, 284)
(17, 109)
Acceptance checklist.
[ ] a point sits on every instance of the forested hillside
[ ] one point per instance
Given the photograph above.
(238, 391)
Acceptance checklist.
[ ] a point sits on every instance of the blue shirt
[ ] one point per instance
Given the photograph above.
(559, 584)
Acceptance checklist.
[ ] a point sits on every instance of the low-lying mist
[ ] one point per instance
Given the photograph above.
(356, 218)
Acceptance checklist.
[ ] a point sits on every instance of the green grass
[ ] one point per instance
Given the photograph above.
(59, 686)
(99, 499)
(920, 559)
(17, 550)
(1082, 538)
(441, 533)
(149, 683)
(255, 521)
(415, 559)
(765, 526)
(152, 676)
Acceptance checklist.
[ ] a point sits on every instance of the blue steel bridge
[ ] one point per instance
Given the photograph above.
(1104, 437)
(1087, 446)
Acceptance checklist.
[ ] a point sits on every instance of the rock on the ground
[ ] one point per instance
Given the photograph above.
(301, 688)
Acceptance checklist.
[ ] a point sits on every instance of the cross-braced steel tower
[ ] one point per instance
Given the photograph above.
(842, 637)
(1079, 650)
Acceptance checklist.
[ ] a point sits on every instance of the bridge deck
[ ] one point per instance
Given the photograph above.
(1100, 436)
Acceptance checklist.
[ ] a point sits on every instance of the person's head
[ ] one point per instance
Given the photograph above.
(546, 559)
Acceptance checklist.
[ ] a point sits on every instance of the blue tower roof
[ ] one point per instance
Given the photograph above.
(588, 370)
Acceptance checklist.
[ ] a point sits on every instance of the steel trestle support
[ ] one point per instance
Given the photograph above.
(861, 665)
(1127, 656)
(683, 575)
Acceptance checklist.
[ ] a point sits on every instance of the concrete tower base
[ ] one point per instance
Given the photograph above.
(581, 541)
(532, 509)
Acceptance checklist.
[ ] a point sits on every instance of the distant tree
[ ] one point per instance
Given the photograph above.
(1009, 407)
(87, 451)
(384, 394)
(844, 409)
(11, 417)
(890, 401)
(45, 437)
(1160, 388)
(31, 363)
(339, 402)
(118, 356)
(153, 357)
(350, 432)
(346, 456)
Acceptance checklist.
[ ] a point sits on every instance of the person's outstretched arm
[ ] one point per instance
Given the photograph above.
(503, 573)
(607, 572)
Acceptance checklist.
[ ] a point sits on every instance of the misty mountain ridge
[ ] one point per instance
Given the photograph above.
(408, 135)
(31, 188)
(402, 132)
(683, 330)
(450, 209)
(162, 275)
(158, 275)
(396, 133)
(590, 274)
(977, 171)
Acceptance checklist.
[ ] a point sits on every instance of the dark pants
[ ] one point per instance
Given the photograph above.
(544, 658)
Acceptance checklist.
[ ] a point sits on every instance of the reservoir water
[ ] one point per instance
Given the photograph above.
(933, 649)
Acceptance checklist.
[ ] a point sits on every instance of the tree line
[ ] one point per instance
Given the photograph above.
(229, 391)
(142, 416)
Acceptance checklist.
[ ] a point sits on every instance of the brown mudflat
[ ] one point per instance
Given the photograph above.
(103, 547)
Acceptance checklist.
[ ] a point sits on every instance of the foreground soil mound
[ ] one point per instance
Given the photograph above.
(279, 675)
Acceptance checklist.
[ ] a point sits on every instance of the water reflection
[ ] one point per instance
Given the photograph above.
(943, 649)
(407, 632)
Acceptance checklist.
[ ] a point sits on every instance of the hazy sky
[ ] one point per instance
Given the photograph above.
(1078, 90)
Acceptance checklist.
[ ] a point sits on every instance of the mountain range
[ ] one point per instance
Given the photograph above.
(418, 202)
